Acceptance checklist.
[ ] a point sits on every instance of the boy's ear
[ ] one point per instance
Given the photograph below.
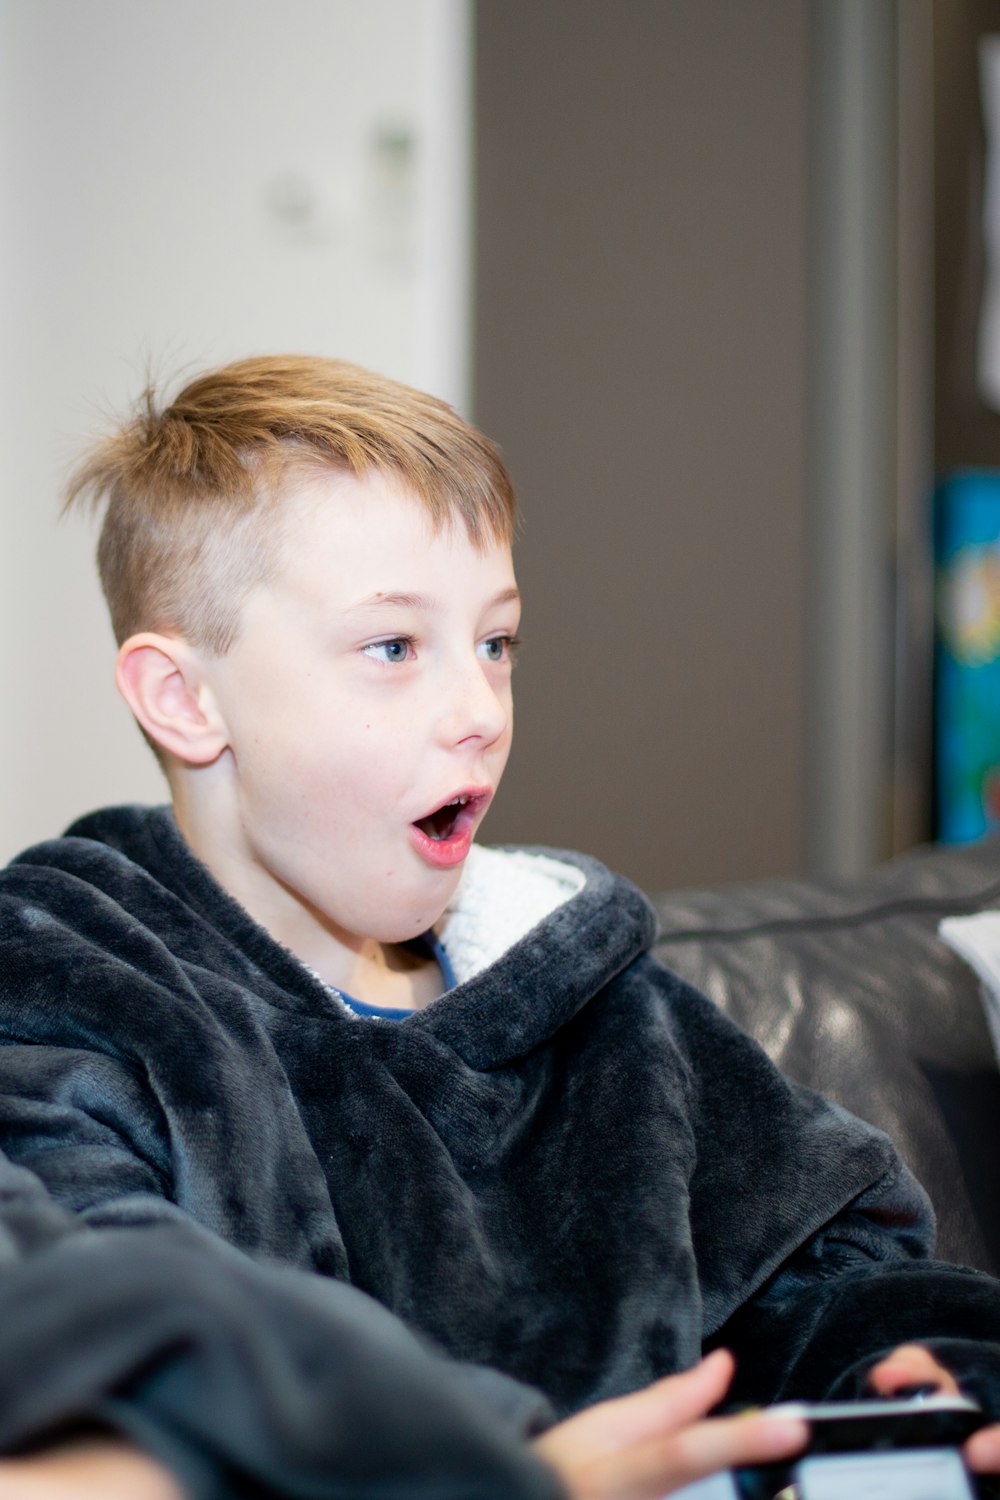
(162, 681)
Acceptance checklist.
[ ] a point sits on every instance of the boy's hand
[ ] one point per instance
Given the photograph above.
(98, 1468)
(642, 1446)
(912, 1364)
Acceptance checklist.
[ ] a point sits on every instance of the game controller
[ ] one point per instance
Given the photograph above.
(934, 1420)
(877, 1449)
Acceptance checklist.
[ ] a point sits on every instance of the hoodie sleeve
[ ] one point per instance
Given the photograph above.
(852, 1293)
(238, 1375)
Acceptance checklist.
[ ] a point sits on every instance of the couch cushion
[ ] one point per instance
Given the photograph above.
(849, 988)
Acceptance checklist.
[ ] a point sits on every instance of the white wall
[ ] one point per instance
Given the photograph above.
(179, 185)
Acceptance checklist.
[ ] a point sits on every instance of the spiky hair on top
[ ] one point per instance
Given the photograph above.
(193, 488)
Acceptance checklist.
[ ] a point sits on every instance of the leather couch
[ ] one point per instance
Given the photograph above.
(848, 987)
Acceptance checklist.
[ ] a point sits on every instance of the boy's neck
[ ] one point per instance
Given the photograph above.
(389, 975)
(392, 976)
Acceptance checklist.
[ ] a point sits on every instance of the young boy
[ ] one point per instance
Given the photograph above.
(346, 1157)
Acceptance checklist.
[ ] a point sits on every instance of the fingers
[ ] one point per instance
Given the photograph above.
(982, 1451)
(645, 1415)
(652, 1469)
(674, 1400)
(728, 1443)
(912, 1364)
(909, 1365)
(642, 1446)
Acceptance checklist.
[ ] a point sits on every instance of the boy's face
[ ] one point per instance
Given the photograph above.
(368, 689)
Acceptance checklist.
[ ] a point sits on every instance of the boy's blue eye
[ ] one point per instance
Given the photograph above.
(499, 648)
(390, 651)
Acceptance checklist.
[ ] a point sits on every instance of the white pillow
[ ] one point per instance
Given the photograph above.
(977, 940)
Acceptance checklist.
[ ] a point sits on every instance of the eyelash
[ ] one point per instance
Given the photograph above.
(510, 642)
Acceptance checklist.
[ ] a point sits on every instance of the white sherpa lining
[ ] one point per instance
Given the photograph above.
(502, 895)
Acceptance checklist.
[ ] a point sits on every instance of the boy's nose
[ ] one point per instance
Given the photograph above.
(476, 711)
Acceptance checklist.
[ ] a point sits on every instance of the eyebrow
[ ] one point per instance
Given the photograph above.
(424, 602)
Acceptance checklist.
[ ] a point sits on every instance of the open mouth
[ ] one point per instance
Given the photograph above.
(441, 824)
(443, 837)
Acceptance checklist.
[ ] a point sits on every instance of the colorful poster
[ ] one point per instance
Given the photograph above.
(967, 663)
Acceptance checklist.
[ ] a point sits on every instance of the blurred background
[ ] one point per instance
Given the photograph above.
(710, 271)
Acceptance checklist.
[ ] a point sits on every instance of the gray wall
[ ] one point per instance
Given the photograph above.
(967, 432)
(641, 357)
(169, 205)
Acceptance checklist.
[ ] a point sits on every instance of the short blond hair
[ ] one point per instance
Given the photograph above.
(193, 488)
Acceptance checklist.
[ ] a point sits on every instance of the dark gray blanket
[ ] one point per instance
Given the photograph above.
(571, 1170)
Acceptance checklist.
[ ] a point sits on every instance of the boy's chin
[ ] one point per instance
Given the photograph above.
(403, 926)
